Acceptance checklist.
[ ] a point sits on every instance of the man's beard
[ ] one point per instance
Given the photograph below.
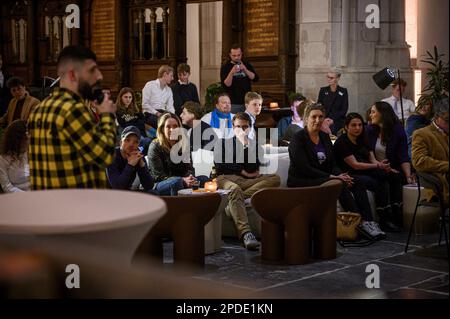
(86, 90)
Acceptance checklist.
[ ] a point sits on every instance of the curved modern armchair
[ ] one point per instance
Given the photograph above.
(293, 217)
(184, 222)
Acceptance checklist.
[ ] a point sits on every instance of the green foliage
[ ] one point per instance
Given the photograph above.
(138, 95)
(212, 91)
(436, 76)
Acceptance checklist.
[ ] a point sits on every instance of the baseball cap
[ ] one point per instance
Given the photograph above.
(130, 130)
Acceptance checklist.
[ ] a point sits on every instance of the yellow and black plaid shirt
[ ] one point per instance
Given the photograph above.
(67, 148)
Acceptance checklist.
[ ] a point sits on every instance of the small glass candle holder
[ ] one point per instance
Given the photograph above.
(211, 187)
(273, 105)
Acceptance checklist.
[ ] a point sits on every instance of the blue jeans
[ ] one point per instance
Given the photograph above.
(170, 186)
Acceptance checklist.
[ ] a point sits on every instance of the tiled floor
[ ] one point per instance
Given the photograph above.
(410, 275)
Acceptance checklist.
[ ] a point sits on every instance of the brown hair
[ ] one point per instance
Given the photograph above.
(183, 68)
(121, 108)
(396, 81)
(161, 137)
(194, 108)
(296, 97)
(242, 116)
(164, 69)
(13, 138)
(249, 96)
(302, 106)
(313, 107)
(235, 46)
(218, 96)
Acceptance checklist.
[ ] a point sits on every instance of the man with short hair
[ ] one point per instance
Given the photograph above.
(394, 100)
(200, 134)
(220, 118)
(129, 162)
(157, 97)
(236, 77)
(237, 165)
(22, 104)
(430, 151)
(67, 148)
(253, 106)
(183, 90)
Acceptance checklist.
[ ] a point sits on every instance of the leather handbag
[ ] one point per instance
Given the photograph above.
(347, 224)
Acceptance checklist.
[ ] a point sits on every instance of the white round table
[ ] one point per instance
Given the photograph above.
(111, 220)
(213, 230)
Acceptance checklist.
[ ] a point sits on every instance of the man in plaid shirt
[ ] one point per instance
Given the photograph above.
(67, 148)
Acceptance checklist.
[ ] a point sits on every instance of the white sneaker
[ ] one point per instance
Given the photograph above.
(250, 241)
(372, 229)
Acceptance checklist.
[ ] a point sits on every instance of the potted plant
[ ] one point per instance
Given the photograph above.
(436, 77)
(212, 91)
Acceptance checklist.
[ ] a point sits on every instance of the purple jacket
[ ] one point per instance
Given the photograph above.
(396, 147)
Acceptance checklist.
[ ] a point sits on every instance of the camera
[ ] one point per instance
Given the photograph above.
(98, 96)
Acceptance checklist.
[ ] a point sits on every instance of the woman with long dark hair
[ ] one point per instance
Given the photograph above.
(387, 140)
(14, 169)
(354, 156)
(128, 114)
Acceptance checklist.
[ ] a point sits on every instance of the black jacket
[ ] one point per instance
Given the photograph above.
(304, 165)
(161, 166)
(230, 157)
(336, 105)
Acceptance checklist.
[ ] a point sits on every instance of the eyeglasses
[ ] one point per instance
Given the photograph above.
(243, 127)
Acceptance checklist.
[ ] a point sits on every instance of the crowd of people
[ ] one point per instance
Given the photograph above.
(74, 140)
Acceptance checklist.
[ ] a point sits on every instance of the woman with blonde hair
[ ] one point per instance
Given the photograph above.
(169, 158)
(14, 169)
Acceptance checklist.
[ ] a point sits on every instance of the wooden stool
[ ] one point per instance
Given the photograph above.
(288, 216)
(184, 222)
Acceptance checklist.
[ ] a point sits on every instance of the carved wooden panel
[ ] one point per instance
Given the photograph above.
(261, 27)
(103, 35)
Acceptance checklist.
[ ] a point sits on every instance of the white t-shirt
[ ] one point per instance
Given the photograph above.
(408, 106)
(153, 97)
(14, 176)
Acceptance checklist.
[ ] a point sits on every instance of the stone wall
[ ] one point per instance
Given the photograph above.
(333, 33)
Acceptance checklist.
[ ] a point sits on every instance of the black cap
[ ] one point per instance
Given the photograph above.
(130, 130)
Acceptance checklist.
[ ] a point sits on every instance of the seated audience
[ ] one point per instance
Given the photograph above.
(5, 93)
(387, 140)
(22, 104)
(237, 165)
(430, 151)
(312, 163)
(129, 162)
(169, 158)
(394, 100)
(128, 114)
(335, 100)
(220, 118)
(200, 133)
(183, 90)
(420, 118)
(253, 106)
(14, 169)
(354, 156)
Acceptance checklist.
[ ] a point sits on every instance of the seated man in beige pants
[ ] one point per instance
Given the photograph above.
(237, 166)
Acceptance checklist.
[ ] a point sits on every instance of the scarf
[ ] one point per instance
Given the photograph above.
(216, 115)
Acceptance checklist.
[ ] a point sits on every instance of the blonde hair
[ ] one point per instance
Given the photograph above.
(313, 107)
(161, 137)
(250, 96)
(121, 108)
(164, 69)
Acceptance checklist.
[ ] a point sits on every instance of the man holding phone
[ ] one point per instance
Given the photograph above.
(236, 77)
(129, 162)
